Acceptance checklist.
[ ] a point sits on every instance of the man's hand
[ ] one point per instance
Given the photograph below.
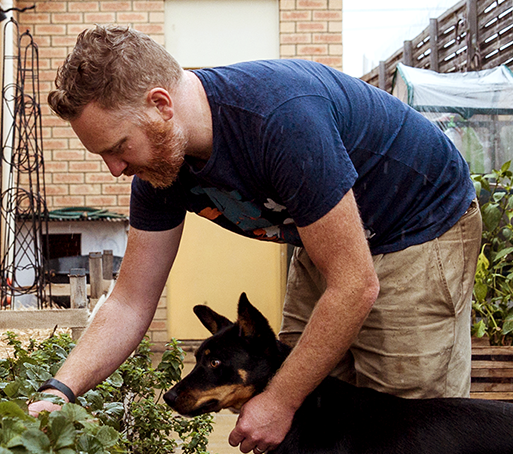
(262, 424)
(45, 405)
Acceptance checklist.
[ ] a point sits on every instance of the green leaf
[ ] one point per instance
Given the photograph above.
(108, 436)
(12, 389)
(480, 291)
(11, 428)
(505, 166)
(90, 444)
(10, 409)
(35, 441)
(507, 327)
(491, 215)
(75, 412)
(503, 253)
(479, 329)
(63, 431)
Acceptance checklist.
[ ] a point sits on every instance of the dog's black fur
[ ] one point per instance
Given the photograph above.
(337, 418)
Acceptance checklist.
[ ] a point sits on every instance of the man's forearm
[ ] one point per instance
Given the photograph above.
(111, 337)
(328, 335)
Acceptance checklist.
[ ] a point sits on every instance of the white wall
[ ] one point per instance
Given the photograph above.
(206, 33)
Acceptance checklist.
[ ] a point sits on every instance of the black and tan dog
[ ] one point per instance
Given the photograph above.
(337, 418)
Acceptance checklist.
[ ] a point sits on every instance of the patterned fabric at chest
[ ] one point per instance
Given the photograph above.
(265, 221)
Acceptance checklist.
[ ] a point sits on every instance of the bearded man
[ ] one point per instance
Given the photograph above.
(376, 199)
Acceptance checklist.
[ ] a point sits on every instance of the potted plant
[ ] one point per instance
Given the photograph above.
(492, 364)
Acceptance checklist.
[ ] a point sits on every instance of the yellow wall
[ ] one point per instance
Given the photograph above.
(213, 267)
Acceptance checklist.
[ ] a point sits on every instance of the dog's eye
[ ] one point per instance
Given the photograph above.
(215, 363)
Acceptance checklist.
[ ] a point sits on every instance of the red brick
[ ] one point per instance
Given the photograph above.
(35, 18)
(68, 155)
(100, 18)
(53, 144)
(149, 6)
(52, 52)
(115, 6)
(117, 189)
(55, 166)
(67, 178)
(67, 18)
(101, 201)
(312, 50)
(334, 62)
(312, 4)
(151, 29)
(67, 201)
(295, 38)
(49, 7)
(98, 176)
(327, 38)
(54, 189)
(65, 131)
(312, 26)
(83, 7)
(132, 17)
(85, 189)
(327, 15)
(50, 30)
(295, 15)
(84, 166)
(64, 40)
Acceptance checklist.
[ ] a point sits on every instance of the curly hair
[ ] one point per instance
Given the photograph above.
(113, 66)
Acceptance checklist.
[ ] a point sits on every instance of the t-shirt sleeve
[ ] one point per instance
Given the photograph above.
(154, 209)
(307, 162)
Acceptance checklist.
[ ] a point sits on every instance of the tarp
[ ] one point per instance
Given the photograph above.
(489, 91)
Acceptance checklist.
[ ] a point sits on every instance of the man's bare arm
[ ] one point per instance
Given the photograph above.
(124, 318)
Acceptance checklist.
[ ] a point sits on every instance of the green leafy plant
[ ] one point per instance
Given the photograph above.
(124, 414)
(493, 288)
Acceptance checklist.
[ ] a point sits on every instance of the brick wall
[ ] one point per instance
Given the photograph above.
(310, 29)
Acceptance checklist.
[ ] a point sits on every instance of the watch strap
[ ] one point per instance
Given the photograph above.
(53, 383)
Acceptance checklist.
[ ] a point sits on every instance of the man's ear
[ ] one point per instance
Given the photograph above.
(160, 99)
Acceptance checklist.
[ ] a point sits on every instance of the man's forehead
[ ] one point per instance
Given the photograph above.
(100, 130)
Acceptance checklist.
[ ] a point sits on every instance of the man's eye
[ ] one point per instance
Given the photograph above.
(215, 363)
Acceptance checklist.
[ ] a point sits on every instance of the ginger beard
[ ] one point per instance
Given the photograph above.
(167, 154)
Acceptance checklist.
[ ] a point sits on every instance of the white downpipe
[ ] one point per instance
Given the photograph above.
(8, 224)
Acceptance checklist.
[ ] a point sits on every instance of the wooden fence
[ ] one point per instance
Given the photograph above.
(472, 35)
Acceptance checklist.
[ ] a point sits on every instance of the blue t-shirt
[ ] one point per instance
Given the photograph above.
(290, 138)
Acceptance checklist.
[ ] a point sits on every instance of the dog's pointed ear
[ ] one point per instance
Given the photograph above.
(211, 320)
(251, 321)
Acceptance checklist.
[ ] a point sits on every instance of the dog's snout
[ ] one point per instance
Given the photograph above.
(170, 397)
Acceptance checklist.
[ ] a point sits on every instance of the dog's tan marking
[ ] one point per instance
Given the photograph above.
(233, 396)
(243, 375)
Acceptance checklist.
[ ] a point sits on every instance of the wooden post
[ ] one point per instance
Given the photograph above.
(95, 277)
(433, 39)
(408, 53)
(108, 263)
(77, 286)
(473, 62)
(382, 75)
(78, 295)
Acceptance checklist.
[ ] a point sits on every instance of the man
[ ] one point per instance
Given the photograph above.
(371, 193)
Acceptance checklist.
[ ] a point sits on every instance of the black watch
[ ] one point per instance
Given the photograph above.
(53, 383)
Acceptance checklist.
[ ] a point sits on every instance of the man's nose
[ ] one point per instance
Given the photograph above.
(116, 165)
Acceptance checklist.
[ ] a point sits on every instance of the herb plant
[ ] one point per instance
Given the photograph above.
(124, 414)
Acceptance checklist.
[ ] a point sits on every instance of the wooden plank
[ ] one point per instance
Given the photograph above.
(43, 319)
(493, 396)
(496, 373)
(491, 387)
(490, 350)
(492, 365)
